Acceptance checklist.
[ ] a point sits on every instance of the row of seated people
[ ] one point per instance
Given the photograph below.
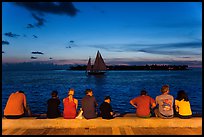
(163, 106)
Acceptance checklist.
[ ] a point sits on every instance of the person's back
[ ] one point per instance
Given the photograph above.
(16, 105)
(106, 111)
(182, 105)
(89, 104)
(70, 106)
(165, 103)
(53, 106)
(142, 104)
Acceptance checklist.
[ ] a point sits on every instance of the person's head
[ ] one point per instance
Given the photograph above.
(143, 92)
(71, 92)
(89, 92)
(54, 93)
(165, 89)
(107, 99)
(20, 91)
(182, 95)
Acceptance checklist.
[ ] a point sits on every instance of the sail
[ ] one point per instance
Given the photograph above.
(88, 68)
(99, 64)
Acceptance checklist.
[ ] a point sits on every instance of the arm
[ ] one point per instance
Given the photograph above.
(96, 104)
(153, 104)
(58, 102)
(24, 101)
(111, 110)
(176, 106)
(131, 102)
(76, 102)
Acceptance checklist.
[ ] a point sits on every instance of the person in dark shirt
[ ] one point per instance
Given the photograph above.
(53, 106)
(89, 105)
(106, 111)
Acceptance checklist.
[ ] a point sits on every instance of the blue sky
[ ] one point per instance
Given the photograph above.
(125, 33)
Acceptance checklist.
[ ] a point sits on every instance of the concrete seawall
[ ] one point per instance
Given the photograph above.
(130, 121)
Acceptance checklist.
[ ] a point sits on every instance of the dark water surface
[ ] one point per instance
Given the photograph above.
(122, 86)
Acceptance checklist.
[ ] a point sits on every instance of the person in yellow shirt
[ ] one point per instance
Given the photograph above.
(182, 105)
(16, 106)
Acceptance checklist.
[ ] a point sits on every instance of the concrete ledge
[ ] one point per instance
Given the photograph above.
(129, 121)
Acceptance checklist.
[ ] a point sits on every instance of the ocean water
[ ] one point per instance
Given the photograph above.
(122, 86)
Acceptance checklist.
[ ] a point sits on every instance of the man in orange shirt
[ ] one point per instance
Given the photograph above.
(16, 106)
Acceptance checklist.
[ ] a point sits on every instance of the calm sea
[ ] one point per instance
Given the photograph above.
(122, 86)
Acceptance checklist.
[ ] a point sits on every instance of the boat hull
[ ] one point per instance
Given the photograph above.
(96, 73)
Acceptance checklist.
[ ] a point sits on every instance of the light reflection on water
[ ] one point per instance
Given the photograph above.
(122, 86)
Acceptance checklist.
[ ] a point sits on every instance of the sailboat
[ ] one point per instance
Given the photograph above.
(99, 67)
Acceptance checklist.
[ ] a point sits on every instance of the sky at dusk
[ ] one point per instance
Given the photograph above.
(125, 33)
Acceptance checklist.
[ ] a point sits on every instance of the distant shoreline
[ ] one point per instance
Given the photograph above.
(146, 67)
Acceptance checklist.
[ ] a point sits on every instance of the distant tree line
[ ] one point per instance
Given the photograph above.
(134, 67)
(34, 66)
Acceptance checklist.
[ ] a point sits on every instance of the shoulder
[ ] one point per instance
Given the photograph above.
(20, 94)
(171, 96)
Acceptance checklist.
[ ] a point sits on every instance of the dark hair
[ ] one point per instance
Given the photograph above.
(20, 91)
(143, 92)
(88, 90)
(54, 93)
(182, 95)
(107, 97)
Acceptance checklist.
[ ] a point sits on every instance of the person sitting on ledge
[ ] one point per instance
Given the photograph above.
(106, 111)
(142, 104)
(182, 105)
(70, 105)
(53, 106)
(89, 105)
(16, 106)
(164, 103)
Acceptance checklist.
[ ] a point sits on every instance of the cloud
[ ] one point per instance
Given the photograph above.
(185, 48)
(37, 52)
(69, 47)
(66, 8)
(180, 48)
(34, 36)
(10, 34)
(40, 21)
(33, 57)
(5, 42)
(30, 26)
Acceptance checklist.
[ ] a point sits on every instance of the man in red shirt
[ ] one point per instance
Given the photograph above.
(142, 104)
(16, 106)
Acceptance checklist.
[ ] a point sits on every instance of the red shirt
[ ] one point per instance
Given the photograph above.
(69, 109)
(143, 105)
(15, 104)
